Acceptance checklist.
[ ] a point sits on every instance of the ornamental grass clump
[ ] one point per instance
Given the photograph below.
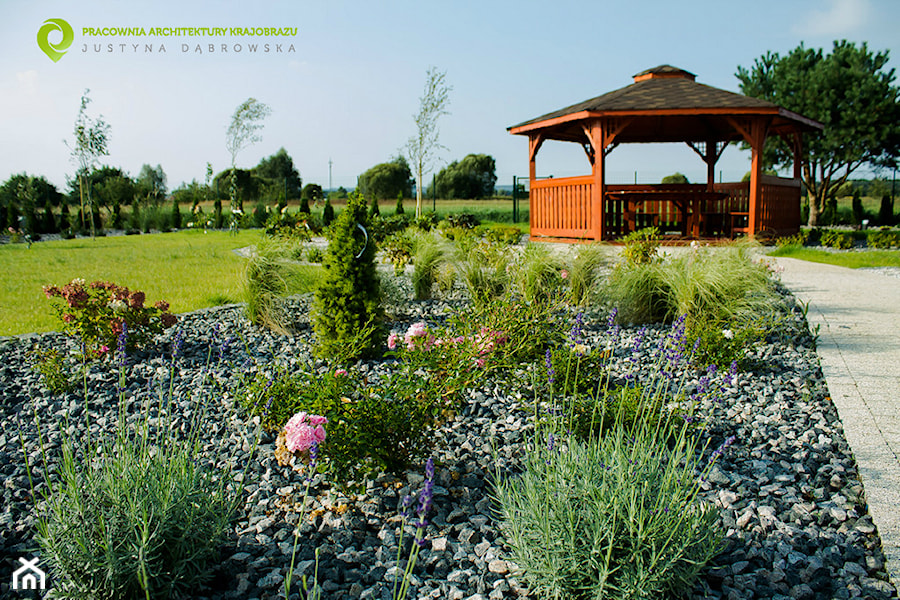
(717, 290)
(271, 275)
(136, 512)
(613, 512)
(429, 252)
(97, 313)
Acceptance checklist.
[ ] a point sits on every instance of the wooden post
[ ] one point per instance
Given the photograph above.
(711, 158)
(598, 192)
(758, 130)
(534, 144)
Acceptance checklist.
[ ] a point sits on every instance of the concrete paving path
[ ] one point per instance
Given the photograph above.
(858, 315)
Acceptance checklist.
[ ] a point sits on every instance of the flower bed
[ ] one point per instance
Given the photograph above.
(789, 502)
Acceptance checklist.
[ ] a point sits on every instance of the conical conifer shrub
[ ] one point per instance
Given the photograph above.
(347, 312)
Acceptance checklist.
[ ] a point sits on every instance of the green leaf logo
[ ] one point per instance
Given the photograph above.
(55, 51)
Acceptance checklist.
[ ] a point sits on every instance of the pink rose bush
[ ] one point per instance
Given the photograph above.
(300, 438)
(419, 341)
(98, 312)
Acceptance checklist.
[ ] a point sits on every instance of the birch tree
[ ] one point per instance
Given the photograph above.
(422, 147)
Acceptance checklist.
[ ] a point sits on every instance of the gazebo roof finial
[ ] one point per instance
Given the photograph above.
(664, 72)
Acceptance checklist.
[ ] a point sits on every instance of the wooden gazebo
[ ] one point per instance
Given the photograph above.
(666, 104)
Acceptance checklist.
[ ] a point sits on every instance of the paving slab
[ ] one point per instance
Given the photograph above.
(857, 313)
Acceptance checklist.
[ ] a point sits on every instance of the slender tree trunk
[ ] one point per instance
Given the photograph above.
(419, 192)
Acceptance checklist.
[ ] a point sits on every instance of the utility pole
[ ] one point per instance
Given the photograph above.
(329, 174)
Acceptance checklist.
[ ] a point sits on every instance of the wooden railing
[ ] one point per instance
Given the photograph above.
(779, 209)
(561, 207)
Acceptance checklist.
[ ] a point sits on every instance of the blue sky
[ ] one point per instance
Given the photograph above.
(349, 89)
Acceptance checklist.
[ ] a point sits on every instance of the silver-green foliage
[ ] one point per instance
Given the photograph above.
(134, 513)
(613, 515)
(609, 519)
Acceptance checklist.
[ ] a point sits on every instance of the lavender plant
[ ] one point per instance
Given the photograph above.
(135, 512)
(615, 516)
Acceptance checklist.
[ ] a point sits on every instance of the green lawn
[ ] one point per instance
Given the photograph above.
(188, 269)
(853, 260)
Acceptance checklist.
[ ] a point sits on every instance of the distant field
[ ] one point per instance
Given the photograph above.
(188, 269)
(494, 209)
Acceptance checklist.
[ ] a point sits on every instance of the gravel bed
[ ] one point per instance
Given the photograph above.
(788, 491)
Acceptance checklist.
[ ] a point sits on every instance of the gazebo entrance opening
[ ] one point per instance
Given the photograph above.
(665, 104)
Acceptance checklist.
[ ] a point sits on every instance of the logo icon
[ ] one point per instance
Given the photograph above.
(28, 576)
(55, 51)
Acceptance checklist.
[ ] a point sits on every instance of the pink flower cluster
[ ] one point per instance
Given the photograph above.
(418, 337)
(303, 431)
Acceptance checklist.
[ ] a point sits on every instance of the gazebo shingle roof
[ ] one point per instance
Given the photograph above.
(662, 88)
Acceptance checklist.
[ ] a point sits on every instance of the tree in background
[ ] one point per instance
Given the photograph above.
(246, 123)
(422, 146)
(386, 180)
(91, 142)
(850, 93)
(151, 184)
(675, 178)
(312, 192)
(23, 195)
(244, 183)
(473, 177)
(279, 172)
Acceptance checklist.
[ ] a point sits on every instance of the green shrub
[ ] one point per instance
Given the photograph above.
(883, 239)
(798, 239)
(398, 249)
(374, 211)
(315, 254)
(399, 208)
(530, 327)
(134, 513)
(886, 211)
(837, 239)
(641, 246)
(347, 307)
(499, 234)
(98, 313)
(176, 214)
(616, 518)
(716, 291)
(376, 427)
(483, 269)
(55, 373)
(327, 213)
(463, 220)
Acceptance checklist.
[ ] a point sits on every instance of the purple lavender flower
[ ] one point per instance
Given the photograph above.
(425, 497)
(121, 343)
(576, 331)
(732, 373)
(548, 358)
(718, 451)
(313, 457)
(176, 345)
